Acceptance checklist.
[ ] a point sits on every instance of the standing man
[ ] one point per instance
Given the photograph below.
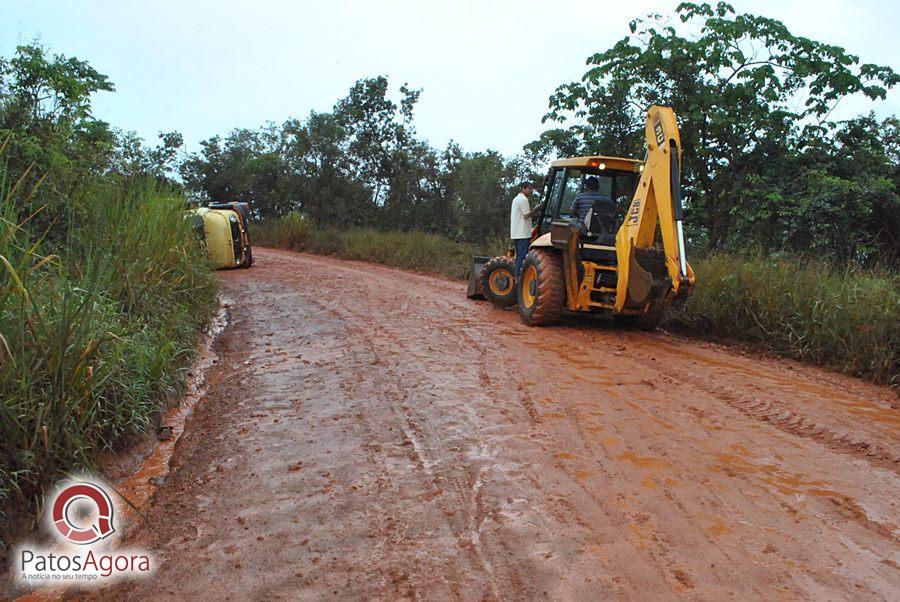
(520, 223)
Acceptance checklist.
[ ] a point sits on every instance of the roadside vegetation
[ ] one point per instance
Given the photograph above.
(842, 317)
(103, 284)
(417, 251)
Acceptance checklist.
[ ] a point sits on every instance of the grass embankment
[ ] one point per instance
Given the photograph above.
(843, 318)
(416, 251)
(96, 323)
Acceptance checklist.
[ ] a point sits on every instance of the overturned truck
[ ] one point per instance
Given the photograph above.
(225, 231)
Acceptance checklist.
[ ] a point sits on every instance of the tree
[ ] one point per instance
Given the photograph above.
(45, 111)
(748, 93)
(132, 160)
(49, 132)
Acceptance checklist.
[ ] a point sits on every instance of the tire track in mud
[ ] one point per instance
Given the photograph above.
(469, 490)
(801, 425)
(792, 421)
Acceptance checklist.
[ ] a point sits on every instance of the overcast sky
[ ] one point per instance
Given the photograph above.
(487, 68)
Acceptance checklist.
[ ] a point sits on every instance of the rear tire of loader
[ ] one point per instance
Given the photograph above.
(542, 292)
(498, 281)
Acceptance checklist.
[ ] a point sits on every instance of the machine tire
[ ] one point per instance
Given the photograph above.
(498, 281)
(542, 291)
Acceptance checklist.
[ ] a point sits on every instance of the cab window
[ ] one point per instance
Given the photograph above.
(572, 188)
(552, 203)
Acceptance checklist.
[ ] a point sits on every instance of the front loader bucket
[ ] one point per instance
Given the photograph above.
(475, 290)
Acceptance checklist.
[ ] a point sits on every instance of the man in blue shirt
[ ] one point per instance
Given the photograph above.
(592, 197)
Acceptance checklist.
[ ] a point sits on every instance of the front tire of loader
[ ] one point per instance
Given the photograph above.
(498, 282)
(542, 292)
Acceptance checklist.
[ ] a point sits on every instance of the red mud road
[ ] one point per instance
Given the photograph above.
(370, 433)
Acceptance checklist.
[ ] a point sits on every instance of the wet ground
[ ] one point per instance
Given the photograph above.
(370, 433)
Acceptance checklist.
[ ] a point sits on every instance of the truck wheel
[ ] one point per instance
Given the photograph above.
(542, 293)
(498, 282)
(248, 257)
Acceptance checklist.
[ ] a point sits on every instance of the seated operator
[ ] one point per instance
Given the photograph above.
(591, 197)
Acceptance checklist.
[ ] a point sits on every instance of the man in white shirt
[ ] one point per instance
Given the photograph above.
(520, 223)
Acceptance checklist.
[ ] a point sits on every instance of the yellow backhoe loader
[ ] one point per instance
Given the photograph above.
(578, 264)
(225, 230)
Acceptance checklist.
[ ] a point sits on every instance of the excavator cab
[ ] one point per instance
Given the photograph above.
(616, 180)
(610, 260)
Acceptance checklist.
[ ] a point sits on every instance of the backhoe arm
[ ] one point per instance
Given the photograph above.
(649, 280)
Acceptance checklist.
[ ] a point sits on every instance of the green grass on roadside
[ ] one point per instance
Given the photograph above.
(417, 251)
(94, 327)
(843, 318)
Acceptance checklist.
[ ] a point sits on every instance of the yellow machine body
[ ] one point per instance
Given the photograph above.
(656, 203)
(628, 273)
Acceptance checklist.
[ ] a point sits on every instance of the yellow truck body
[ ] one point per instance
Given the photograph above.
(226, 234)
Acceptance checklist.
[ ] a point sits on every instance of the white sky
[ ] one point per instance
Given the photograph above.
(487, 68)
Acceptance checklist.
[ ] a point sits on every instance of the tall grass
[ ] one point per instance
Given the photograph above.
(417, 251)
(843, 318)
(94, 326)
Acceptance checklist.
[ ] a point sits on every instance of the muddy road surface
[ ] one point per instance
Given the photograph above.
(371, 433)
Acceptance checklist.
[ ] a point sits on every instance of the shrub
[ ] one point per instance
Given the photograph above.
(92, 335)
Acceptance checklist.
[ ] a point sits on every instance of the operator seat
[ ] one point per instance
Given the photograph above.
(600, 220)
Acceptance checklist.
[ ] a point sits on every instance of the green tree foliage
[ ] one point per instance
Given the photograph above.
(51, 137)
(360, 165)
(753, 101)
(45, 114)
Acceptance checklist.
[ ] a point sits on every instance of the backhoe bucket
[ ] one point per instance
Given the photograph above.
(475, 290)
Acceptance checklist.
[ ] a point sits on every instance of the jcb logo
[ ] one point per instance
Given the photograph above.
(658, 130)
(634, 212)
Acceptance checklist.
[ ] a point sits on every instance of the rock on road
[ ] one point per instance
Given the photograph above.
(371, 433)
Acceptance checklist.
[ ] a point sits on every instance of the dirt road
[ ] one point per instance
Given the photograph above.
(370, 433)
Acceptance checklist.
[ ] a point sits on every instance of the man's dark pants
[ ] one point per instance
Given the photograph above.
(521, 250)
